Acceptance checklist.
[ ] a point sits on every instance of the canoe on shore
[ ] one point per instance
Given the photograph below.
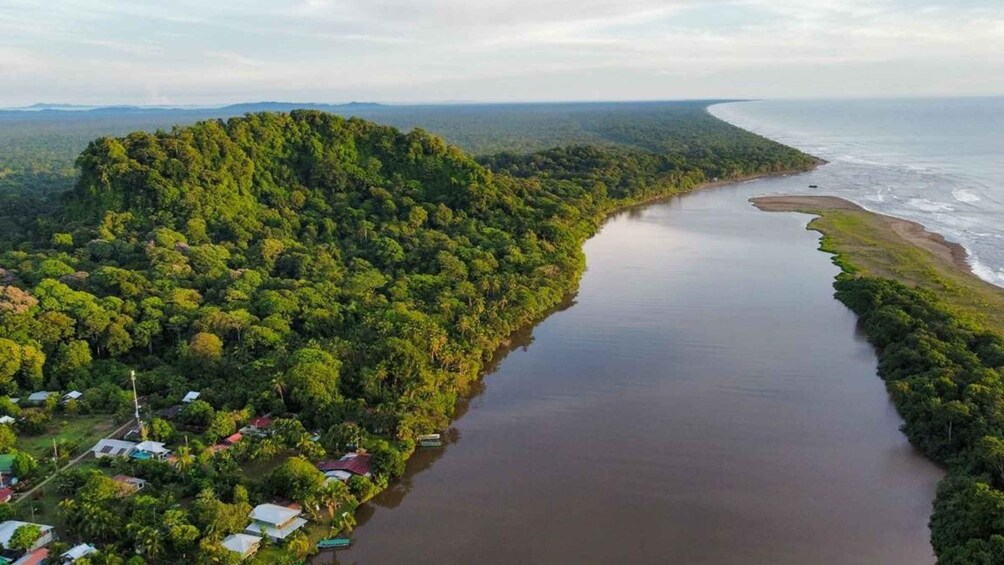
(334, 543)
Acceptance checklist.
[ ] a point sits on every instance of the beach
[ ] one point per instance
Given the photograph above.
(878, 245)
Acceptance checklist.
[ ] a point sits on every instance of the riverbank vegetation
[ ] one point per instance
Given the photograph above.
(344, 277)
(941, 353)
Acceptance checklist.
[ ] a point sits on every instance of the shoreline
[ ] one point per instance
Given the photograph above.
(423, 462)
(910, 231)
(474, 387)
(705, 186)
(868, 244)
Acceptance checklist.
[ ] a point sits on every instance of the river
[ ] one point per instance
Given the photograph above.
(703, 400)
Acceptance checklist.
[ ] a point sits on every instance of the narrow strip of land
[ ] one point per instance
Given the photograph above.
(877, 245)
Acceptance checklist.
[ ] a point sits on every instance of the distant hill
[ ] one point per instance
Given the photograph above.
(241, 108)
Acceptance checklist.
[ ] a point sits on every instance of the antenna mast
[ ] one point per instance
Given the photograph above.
(135, 400)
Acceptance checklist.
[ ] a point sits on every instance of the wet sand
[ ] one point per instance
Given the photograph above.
(912, 232)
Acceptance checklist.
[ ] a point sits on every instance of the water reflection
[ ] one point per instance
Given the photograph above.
(705, 401)
(424, 459)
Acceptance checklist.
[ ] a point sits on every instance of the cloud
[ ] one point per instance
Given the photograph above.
(197, 51)
(16, 62)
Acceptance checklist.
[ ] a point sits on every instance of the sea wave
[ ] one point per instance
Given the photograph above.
(937, 183)
(925, 205)
(986, 272)
(965, 195)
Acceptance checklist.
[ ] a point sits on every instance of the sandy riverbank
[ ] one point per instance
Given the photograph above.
(882, 246)
(912, 232)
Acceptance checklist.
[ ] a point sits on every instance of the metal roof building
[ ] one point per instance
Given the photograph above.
(113, 448)
(244, 545)
(274, 521)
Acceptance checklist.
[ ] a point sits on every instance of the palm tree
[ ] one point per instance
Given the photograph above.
(185, 459)
(279, 385)
(68, 510)
(149, 541)
(332, 495)
(97, 522)
(267, 448)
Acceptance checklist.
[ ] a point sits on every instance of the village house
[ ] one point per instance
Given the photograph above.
(35, 557)
(8, 528)
(171, 412)
(72, 395)
(39, 397)
(150, 450)
(258, 426)
(78, 551)
(276, 522)
(191, 397)
(244, 545)
(343, 469)
(113, 448)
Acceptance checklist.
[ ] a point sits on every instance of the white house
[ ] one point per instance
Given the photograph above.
(192, 396)
(242, 544)
(150, 450)
(8, 528)
(7, 420)
(72, 395)
(113, 448)
(78, 551)
(39, 397)
(276, 522)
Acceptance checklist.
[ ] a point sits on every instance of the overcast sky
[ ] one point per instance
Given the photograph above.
(222, 51)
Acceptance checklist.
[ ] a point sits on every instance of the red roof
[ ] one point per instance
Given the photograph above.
(326, 465)
(6, 494)
(261, 422)
(234, 438)
(279, 501)
(358, 464)
(35, 557)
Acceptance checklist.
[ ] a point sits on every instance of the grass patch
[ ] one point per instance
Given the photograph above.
(82, 431)
(257, 469)
(44, 503)
(873, 245)
(870, 247)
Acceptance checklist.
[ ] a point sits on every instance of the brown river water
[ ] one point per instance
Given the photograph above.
(702, 400)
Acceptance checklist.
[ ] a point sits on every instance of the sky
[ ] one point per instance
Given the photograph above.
(210, 52)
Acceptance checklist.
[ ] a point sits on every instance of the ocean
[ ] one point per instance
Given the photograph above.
(939, 162)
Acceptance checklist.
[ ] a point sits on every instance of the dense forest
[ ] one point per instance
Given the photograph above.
(345, 277)
(944, 376)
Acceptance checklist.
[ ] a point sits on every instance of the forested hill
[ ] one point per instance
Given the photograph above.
(219, 251)
(342, 274)
(38, 149)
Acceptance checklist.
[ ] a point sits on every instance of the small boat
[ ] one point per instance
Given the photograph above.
(430, 443)
(813, 186)
(428, 437)
(334, 543)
